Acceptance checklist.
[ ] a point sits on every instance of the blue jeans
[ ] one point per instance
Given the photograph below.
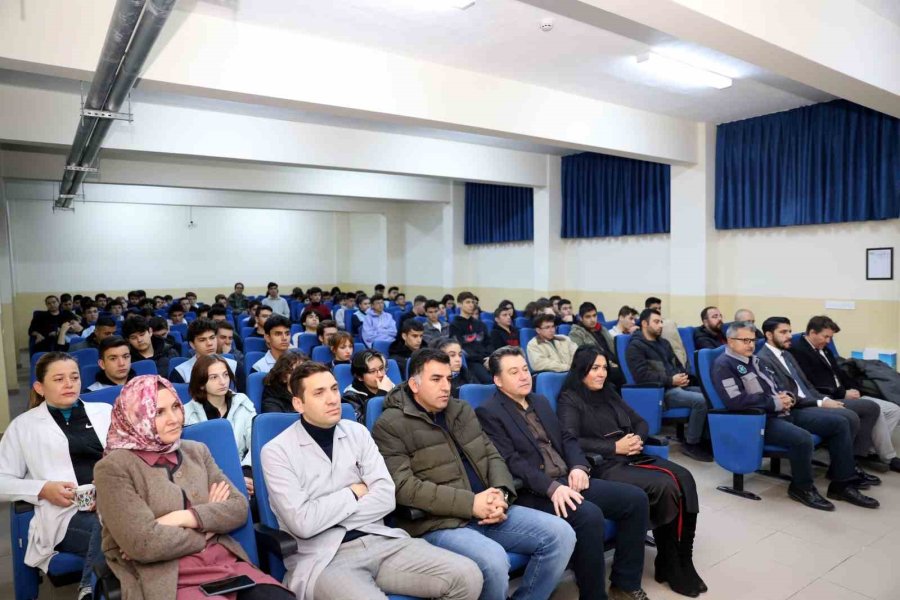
(548, 539)
(83, 538)
(689, 397)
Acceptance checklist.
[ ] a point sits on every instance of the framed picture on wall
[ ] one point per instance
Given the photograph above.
(879, 263)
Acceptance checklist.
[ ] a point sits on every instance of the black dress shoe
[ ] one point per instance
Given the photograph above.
(894, 465)
(811, 498)
(873, 463)
(866, 478)
(848, 493)
(697, 452)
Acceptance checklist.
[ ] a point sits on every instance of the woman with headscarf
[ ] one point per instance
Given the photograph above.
(604, 424)
(166, 505)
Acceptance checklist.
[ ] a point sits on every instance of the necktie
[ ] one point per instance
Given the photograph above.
(796, 376)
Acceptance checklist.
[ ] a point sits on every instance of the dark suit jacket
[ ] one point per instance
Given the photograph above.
(505, 425)
(818, 372)
(784, 379)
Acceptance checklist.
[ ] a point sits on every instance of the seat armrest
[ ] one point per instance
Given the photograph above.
(652, 440)
(274, 541)
(409, 514)
(593, 458)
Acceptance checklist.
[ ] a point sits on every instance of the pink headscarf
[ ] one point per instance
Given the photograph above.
(133, 424)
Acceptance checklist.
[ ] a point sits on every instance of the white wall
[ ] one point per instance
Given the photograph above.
(366, 243)
(624, 264)
(498, 266)
(423, 245)
(120, 246)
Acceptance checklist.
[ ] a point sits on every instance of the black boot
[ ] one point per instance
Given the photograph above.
(686, 550)
(668, 563)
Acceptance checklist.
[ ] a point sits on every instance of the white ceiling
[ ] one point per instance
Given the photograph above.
(503, 38)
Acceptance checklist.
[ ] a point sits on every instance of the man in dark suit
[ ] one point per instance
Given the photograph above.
(557, 480)
(860, 414)
(819, 364)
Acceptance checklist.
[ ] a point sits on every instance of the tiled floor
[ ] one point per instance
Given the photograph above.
(774, 549)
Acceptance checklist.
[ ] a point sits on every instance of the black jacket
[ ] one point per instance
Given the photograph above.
(704, 338)
(821, 372)
(400, 352)
(507, 428)
(787, 382)
(358, 395)
(652, 362)
(277, 399)
(500, 338)
(162, 353)
(473, 336)
(461, 379)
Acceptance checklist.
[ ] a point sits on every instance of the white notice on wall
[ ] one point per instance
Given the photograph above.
(879, 263)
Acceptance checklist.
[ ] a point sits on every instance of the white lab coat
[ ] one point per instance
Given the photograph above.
(33, 451)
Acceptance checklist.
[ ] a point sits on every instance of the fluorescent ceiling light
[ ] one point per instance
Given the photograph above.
(680, 72)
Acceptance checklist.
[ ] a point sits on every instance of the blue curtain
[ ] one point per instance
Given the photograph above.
(498, 213)
(610, 196)
(827, 163)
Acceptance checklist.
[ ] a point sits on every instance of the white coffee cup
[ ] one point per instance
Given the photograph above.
(85, 496)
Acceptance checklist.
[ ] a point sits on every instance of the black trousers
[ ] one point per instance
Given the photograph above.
(625, 504)
(666, 496)
(866, 413)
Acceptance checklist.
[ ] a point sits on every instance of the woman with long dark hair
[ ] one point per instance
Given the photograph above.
(276, 395)
(604, 424)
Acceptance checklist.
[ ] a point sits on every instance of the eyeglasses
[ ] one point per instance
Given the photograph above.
(745, 340)
(379, 370)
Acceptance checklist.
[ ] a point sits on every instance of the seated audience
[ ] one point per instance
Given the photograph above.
(100, 300)
(345, 302)
(669, 330)
(325, 330)
(310, 320)
(369, 370)
(746, 315)
(202, 312)
(226, 342)
(167, 507)
(117, 310)
(556, 477)
(220, 316)
(548, 351)
(236, 299)
(392, 294)
(278, 304)
(448, 306)
(252, 309)
(298, 294)
(862, 415)
(378, 325)
(192, 298)
(67, 303)
(146, 346)
(45, 325)
(504, 332)
(379, 289)
(314, 297)
(418, 309)
(709, 334)
(468, 495)
(212, 398)
(90, 314)
(176, 315)
(564, 312)
(363, 303)
(743, 383)
(820, 366)
(221, 300)
(434, 327)
(263, 313)
(473, 336)
(103, 328)
(652, 361)
(341, 346)
(595, 414)
(626, 323)
(588, 331)
(335, 509)
(277, 396)
(409, 340)
(202, 338)
(459, 374)
(115, 364)
(278, 339)
(399, 301)
(160, 328)
(45, 453)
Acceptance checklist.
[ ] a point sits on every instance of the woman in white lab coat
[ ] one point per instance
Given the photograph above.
(45, 454)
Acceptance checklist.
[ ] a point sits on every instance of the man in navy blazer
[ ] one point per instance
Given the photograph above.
(557, 480)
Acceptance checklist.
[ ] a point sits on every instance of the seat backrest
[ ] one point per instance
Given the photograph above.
(687, 338)
(322, 354)
(523, 322)
(382, 346)
(174, 362)
(255, 344)
(107, 395)
(526, 334)
(622, 342)
(374, 408)
(246, 332)
(564, 329)
(393, 371)
(306, 342)
(255, 388)
(797, 338)
(347, 412)
(549, 384)
(144, 367)
(486, 316)
(476, 394)
(86, 356)
(218, 436)
(705, 360)
(183, 391)
(343, 376)
(88, 375)
(180, 328)
(250, 359)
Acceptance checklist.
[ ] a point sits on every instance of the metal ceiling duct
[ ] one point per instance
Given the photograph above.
(117, 72)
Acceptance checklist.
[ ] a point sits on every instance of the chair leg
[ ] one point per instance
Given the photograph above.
(774, 469)
(737, 488)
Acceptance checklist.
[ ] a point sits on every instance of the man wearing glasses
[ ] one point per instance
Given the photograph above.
(743, 383)
(548, 351)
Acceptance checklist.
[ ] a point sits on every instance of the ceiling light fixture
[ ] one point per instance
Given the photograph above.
(675, 70)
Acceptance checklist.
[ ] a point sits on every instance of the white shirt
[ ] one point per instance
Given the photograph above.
(614, 331)
(265, 364)
(278, 305)
(185, 368)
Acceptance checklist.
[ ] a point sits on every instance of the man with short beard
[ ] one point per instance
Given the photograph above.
(709, 335)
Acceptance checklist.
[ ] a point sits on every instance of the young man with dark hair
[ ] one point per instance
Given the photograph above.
(219, 314)
(709, 334)
(345, 302)
(263, 312)
(278, 304)
(278, 339)
(379, 325)
(379, 289)
(160, 329)
(652, 361)
(654, 303)
(192, 298)
(226, 343)
(418, 309)
(146, 346)
(176, 314)
(104, 328)
(626, 322)
(314, 297)
(556, 476)
(434, 328)
(504, 332)
(100, 300)
(392, 293)
(236, 299)
(564, 312)
(743, 383)
(473, 336)
(324, 330)
(330, 489)
(464, 485)
(202, 338)
(820, 366)
(589, 332)
(46, 325)
(89, 315)
(116, 310)
(400, 301)
(409, 340)
(548, 351)
(363, 304)
(115, 364)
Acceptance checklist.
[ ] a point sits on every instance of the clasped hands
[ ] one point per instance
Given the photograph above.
(490, 507)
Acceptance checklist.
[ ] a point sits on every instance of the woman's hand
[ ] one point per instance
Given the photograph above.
(60, 493)
(178, 518)
(248, 481)
(219, 492)
(629, 445)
